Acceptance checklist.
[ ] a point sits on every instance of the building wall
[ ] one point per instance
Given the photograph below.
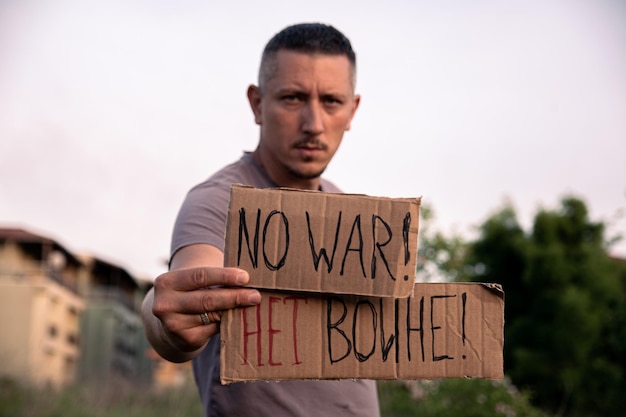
(67, 319)
(55, 331)
(15, 319)
(39, 318)
(114, 345)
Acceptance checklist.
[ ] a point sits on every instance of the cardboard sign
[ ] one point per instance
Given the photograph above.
(443, 330)
(321, 242)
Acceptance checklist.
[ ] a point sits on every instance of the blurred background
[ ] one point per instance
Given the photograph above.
(111, 111)
(508, 118)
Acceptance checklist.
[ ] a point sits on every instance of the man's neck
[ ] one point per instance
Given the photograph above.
(287, 180)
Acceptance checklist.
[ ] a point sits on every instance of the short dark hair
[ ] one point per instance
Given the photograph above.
(309, 38)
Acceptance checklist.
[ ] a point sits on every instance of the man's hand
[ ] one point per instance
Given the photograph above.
(197, 284)
(183, 295)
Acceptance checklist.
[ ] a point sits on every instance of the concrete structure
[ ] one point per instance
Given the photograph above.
(114, 346)
(39, 309)
(66, 318)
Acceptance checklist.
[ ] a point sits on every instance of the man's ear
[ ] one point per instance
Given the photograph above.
(355, 105)
(254, 98)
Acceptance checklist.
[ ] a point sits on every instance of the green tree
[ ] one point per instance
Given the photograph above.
(440, 257)
(564, 305)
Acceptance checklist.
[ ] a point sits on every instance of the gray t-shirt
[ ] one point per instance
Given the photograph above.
(202, 219)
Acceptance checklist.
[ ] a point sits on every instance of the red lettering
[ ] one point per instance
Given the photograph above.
(295, 325)
(271, 331)
(247, 333)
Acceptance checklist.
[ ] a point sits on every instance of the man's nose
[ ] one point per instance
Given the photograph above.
(312, 118)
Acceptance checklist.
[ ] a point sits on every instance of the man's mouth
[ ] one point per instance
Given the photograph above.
(310, 144)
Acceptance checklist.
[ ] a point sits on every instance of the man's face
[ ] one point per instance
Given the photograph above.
(306, 105)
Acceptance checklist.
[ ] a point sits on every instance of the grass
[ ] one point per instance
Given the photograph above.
(97, 400)
(452, 397)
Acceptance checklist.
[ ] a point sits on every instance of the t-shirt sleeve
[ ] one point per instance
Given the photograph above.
(202, 217)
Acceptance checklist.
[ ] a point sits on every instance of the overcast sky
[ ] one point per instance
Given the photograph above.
(111, 110)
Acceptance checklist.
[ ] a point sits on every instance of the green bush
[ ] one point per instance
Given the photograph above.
(454, 397)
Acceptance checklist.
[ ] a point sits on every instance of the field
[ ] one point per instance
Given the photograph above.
(458, 397)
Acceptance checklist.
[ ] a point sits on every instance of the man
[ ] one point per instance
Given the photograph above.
(304, 103)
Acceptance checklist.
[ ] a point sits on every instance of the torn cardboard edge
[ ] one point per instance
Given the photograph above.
(442, 331)
(323, 242)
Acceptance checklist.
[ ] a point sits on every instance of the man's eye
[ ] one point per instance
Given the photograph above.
(332, 101)
(291, 97)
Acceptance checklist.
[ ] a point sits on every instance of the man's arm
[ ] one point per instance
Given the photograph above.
(197, 283)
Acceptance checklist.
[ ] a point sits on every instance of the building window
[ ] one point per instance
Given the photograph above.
(52, 331)
(70, 367)
(72, 339)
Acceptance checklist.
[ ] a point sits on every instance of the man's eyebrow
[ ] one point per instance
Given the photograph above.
(335, 95)
(296, 90)
(288, 89)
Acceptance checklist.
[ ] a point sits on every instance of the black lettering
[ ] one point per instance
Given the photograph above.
(243, 229)
(360, 356)
(410, 329)
(433, 327)
(356, 225)
(464, 299)
(281, 261)
(406, 224)
(385, 345)
(379, 245)
(335, 326)
(322, 252)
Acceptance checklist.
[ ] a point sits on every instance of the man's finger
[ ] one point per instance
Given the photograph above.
(219, 299)
(210, 317)
(192, 279)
